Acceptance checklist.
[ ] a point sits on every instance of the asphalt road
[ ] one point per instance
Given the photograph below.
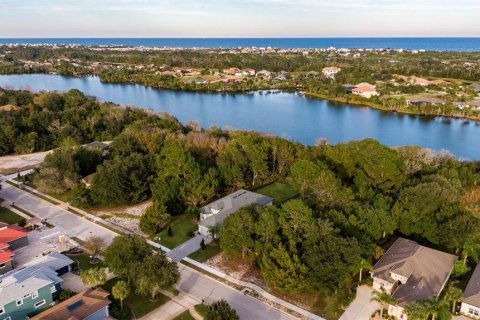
(192, 282)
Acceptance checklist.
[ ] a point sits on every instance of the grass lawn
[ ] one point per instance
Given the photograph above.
(281, 192)
(184, 316)
(210, 251)
(139, 305)
(67, 196)
(201, 309)
(83, 260)
(8, 216)
(183, 228)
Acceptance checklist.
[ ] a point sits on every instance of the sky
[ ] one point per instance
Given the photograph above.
(239, 18)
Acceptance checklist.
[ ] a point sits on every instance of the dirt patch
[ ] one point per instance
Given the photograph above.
(135, 210)
(12, 163)
(126, 223)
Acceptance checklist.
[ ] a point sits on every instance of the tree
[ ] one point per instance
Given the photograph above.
(363, 264)
(155, 273)
(416, 310)
(454, 295)
(303, 172)
(94, 245)
(124, 253)
(93, 277)
(155, 219)
(221, 310)
(235, 233)
(120, 291)
(470, 250)
(383, 298)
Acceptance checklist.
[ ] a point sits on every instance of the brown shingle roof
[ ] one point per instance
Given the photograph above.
(78, 307)
(427, 270)
(472, 292)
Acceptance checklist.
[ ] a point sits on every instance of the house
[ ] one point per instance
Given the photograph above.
(88, 180)
(471, 297)
(265, 74)
(476, 87)
(233, 71)
(214, 213)
(249, 72)
(330, 72)
(90, 304)
(13, 236)
(411, 272)
(365, 90)
(9, 107)
(32, 288)
(6, 259)
(424, 101)
(98, 145)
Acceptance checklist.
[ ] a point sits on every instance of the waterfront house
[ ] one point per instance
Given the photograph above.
(29, 290)
(411, 272)
(214, 213)
(424, 101)
(365, 90)
(90, 304)
(471, 297)
(264, 74)
(330, 72)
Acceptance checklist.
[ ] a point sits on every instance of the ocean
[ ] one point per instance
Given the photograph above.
(430, 44)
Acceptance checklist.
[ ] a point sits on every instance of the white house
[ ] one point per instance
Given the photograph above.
(330, 72)
(411, 272)
(214, 213)
(471, 301)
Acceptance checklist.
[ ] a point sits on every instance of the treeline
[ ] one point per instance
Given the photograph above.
(352, 196)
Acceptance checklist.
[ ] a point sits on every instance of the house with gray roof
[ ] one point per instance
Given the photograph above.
(214, 213)
(32, 288)
(411, 272)
(471, 297)
(476, 87)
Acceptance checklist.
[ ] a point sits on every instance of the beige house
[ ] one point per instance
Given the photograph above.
(214, 213)
(411, 272)
(365, 90)
(471, 302)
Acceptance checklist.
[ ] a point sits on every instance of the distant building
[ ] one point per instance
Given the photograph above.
(90, 304)
(330, 72)
(411, 272)
(424, 101)
(214, 213)
(471, 301)
(365, 90)
(32, 288)
(264, 74)
(476, 87)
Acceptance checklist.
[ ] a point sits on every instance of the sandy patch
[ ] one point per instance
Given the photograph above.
(237, 268)
(23, 161)
(126, 223)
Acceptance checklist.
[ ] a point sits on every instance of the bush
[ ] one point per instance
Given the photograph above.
(119, 313)
(65, 294)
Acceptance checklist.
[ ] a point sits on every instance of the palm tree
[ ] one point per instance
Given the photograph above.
(470, 250)
(363, 264)
(383, 298)
(416, 310)
(436, 306)
(120, 291)
(94, 277)
(454, 295)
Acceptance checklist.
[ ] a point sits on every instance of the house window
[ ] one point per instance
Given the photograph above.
(53, 289)
(39, 303)
(2, 310)
(19, 302)
(475, 312)
(2, 265)
(470, 310)
(26, 296)
(35, 295)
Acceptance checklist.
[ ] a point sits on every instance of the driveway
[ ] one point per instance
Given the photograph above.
(361, 308)
(40, 241)
(188, 247)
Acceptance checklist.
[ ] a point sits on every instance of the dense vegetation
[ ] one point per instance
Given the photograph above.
(353, 197)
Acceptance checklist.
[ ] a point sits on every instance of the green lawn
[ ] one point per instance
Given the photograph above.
(8, 216)
(67, 196)
(139, 305)
(184, 316)
(183, 228)
(83, 261)
(281, 192)
(201, 309)
(210, 251)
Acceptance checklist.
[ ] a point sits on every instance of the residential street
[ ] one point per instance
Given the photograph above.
(192, 282)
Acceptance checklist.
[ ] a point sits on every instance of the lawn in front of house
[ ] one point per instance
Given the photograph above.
(201, 309)
(210, 251)
(281, 192)
(139, 305)
(82, 261)
(183, 229)
(9, 217)
(184, 316)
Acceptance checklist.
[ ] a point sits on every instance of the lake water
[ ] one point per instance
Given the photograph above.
(433, 44)
(286, 114)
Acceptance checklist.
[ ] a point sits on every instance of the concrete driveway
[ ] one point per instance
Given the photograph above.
(40, 242)
(188, 247)
(361, 308)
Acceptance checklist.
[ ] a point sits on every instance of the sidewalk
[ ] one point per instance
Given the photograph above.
(185, 249)
(177, 305)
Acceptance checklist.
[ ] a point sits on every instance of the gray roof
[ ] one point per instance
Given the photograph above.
(426, 100)
(97, 145)
(230, 204)
(472, 292)
(17, 283)
(54, 261)
(427, 270)
(476, 86)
